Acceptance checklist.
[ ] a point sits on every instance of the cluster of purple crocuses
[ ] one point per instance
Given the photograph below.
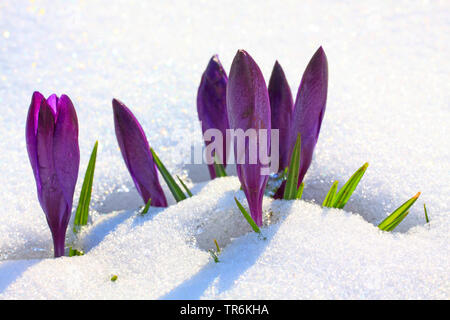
(244, 102)
(241, 101)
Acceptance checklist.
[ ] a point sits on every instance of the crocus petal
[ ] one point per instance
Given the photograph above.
(30, 134)
(52, 101)
(137, 156)
(281, 105)
(249, 108)
(211, 103)
(309, 110)
(66, 151)
(50, 196)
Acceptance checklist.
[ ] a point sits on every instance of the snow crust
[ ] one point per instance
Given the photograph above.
(388, 104)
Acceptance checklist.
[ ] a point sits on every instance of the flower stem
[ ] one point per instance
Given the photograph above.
(59, 243)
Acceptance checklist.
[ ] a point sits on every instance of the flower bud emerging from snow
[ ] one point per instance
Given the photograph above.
(248, 107)
(137, 155)
(281, 107)
(52, 145)
(212, 107)
(308, 112)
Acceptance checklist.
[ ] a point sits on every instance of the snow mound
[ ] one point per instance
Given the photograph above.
(304, 251)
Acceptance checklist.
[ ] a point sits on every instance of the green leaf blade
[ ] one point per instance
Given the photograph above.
(300, 191)
(398, 215)
(219, 168)
(290, 191)
(397, 221)
(173, 186)
(247, 217)
(82, 213)
(426, 213)
(147, 207)
(329, 198)
(185, 187)
(217, 246)
(344, 194)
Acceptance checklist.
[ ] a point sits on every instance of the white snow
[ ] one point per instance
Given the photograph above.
(388, 104)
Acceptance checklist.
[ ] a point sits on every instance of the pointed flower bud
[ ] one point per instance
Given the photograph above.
(52, 145)
(137, 155)
(281, 105)
(249, 108)
(309, 110)
(211, 105)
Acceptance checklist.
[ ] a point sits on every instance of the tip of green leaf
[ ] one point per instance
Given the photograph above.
(247, 217)
(217, 246)
(394, 219)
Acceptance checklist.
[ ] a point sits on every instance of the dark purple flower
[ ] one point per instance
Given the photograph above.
(211, 104)
(137, 155)
(309, 109)
(52, 145)
(281, 105)
(249, 108)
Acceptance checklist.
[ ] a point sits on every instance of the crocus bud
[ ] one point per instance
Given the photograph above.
(52, 145)
(137, 155)
(249, 108)
(309, 110)
(281, 106)
(212, 107)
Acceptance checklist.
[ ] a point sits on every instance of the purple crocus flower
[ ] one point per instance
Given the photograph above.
(137, 155)
(52, 145)
(249, 108)
(211, 105)
(309, 110)
(282, 106)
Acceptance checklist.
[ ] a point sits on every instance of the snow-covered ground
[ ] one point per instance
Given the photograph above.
(388, 104)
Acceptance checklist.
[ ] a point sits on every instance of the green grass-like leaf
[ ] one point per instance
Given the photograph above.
(344, 194)
(217, 246)
(215, 255)
(329, 199)
(426, 213)
(397, 221)
(185, 187)
(398, 215)
(147, 207)
(173, 186)
(300, 191)
(247, 217)
(219, 168)
(81, 216)
(290, 192)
